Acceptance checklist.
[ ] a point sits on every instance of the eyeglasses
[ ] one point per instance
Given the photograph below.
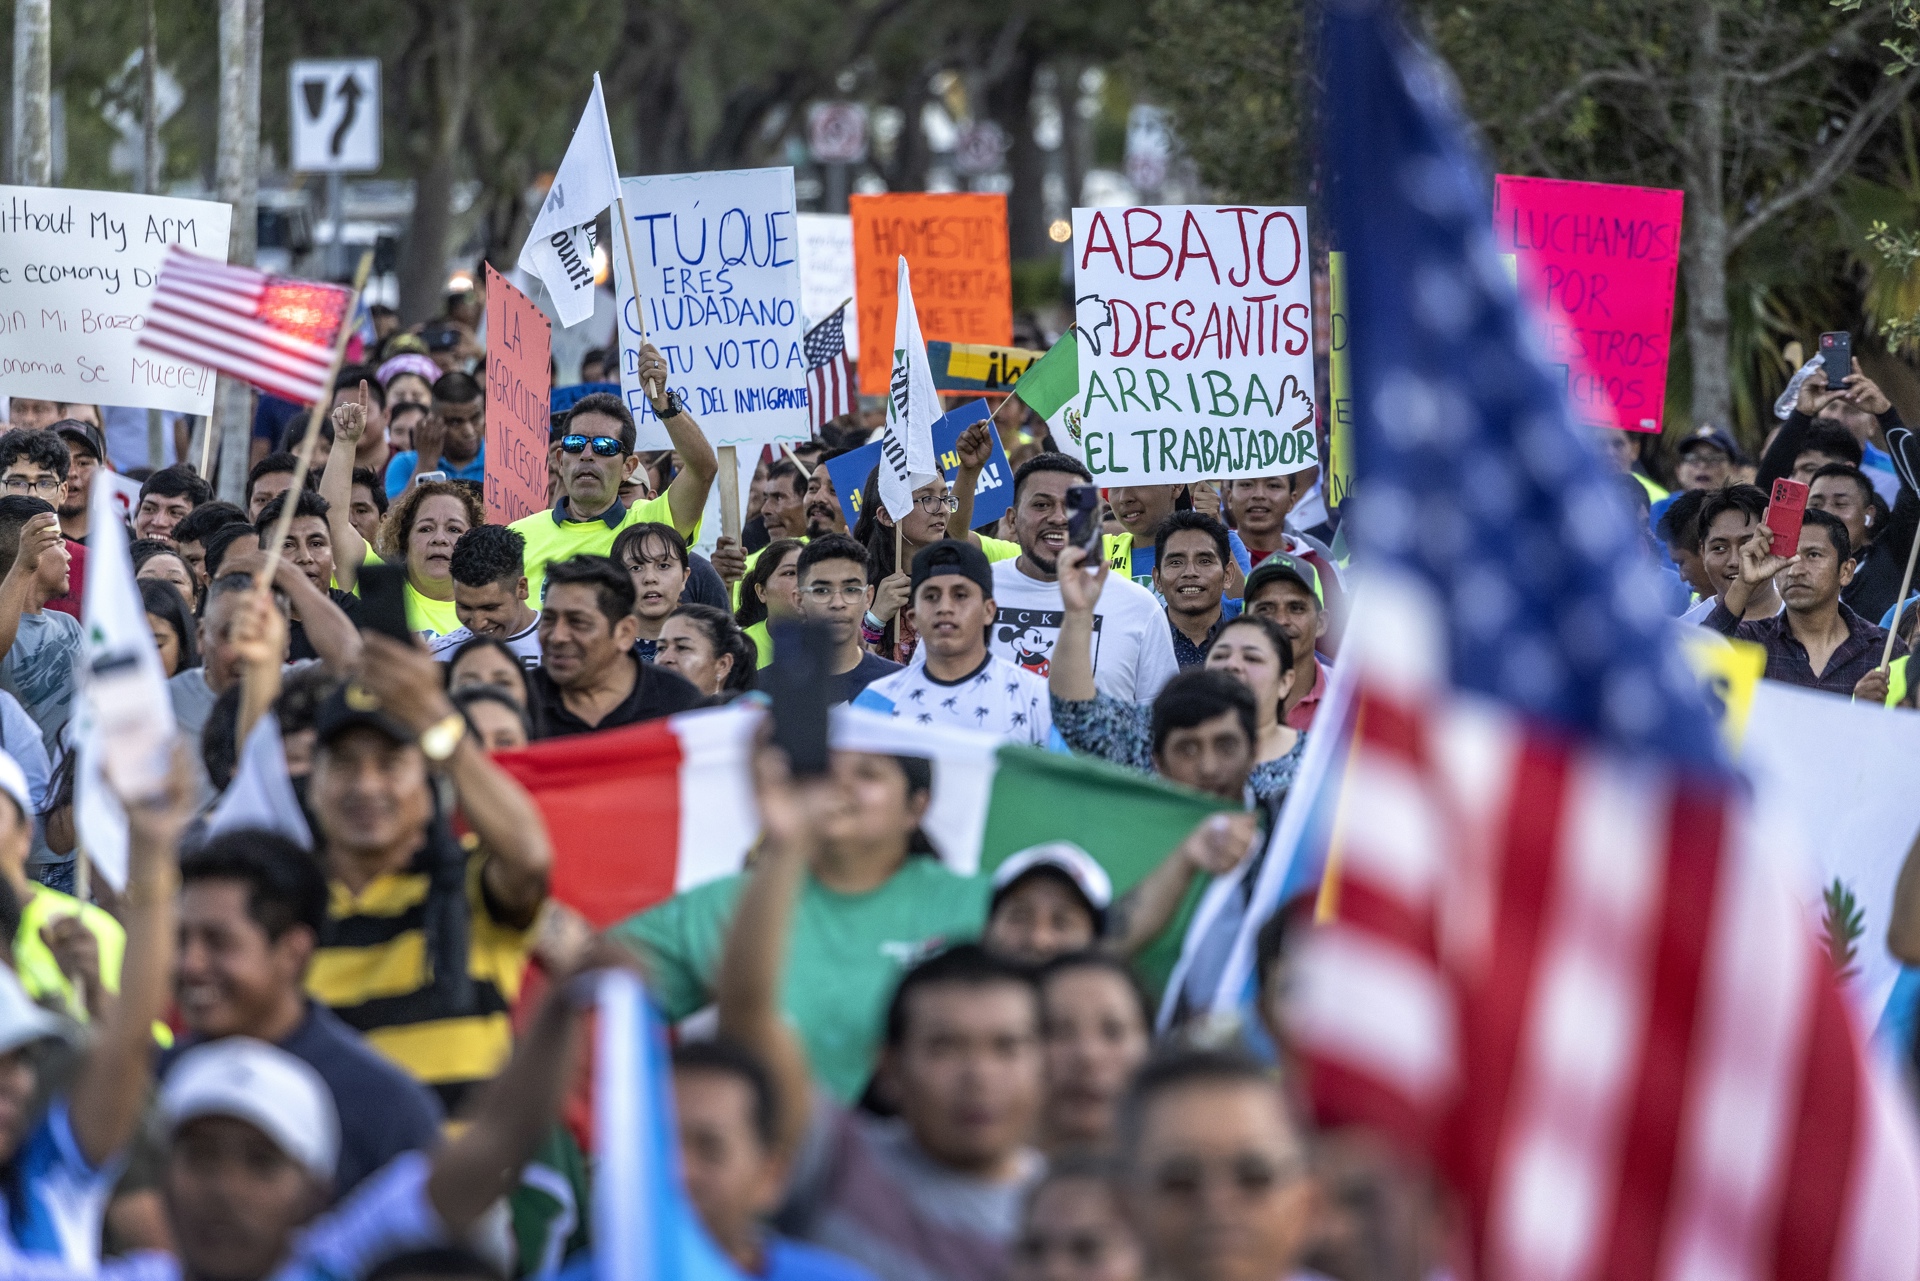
(1249, 1174)
(821, 593)
(936, 502)
(29, 485)
(604, 446)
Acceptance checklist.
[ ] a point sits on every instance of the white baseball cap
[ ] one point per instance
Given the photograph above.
(21, 1021)
(13, 782)
(1065, 858)
(264, 1086)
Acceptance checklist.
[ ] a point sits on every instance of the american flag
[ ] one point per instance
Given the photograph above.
(1562, 965)
(829, 371)
(275, 333)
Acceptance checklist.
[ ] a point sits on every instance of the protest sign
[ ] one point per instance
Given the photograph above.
(1599, 262)
(1195, 328)
(976, 367)
(519, 338)
(991, 496)
(826, 270)
(720, 296)
(77, 270)
(956, 246)
(1340, 376)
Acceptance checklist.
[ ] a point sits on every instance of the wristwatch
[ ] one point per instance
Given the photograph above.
(673, 406)
(442, 738)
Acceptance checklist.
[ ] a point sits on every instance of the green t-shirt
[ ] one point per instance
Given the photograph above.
(551, 538)
(434, 618)
(753, 558)
(847, 953)
(762, 643)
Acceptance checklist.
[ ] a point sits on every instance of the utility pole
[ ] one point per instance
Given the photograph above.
(32, 149)
(236, 174)
(150, 184)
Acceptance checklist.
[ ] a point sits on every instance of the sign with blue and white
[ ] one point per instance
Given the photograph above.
(719, 294)
(991, 497)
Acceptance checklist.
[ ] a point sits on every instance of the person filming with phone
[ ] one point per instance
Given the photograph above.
(1816, 641)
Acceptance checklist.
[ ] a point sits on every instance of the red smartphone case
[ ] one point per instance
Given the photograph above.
(1786, 511)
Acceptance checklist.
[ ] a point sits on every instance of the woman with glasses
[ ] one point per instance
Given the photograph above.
(655, 556)
(895, 638)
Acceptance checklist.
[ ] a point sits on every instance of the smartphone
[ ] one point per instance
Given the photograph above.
(799, 681)
(1836, 357)
(421, 478)
(1786, 511)
(383, 601)
(1083, 519)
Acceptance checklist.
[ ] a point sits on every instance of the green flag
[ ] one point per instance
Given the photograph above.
(1054, 379)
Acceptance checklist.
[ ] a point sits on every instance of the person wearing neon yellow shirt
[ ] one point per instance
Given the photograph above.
(66, 952)
(594, 453)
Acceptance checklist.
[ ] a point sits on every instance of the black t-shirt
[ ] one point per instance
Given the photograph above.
(383, 1111)
(656, 692)
(846, 686)
(299, 647)
(704, 585)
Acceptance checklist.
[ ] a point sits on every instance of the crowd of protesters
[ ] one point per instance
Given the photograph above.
(353, 1054)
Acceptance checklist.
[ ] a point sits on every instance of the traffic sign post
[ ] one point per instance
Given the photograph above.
(335, 111)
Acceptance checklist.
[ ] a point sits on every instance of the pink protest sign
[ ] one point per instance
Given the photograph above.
(519, 340)
(1598, 261)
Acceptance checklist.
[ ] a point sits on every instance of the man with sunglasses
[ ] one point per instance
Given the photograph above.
(1216, 1175)
(835, 590)
(592, 452)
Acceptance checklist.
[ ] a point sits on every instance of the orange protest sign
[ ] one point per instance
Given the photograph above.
(956, 246)
(519, 340)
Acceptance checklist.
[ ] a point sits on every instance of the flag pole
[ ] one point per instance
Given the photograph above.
(1906, 584)
(304, 459)
(633, 276)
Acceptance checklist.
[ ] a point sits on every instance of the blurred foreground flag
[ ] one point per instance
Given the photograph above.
(273, 332)
(1563, 966)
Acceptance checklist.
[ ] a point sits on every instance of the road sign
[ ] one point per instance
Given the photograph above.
(336, 115)
(837, 132)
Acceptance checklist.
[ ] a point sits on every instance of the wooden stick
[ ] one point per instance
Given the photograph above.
(206, 444)
(729, 479)
(787, 449)
(899, 547)
(633, 275)
(263, 580)
(1906, 583)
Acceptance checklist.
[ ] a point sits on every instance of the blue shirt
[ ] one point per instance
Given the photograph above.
(57, 1200)
(400, 470)
(786, 1260)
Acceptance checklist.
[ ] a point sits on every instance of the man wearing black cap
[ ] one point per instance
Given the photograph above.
(1287, 589)
(86, 454)
(1707, 459)
(950, 603)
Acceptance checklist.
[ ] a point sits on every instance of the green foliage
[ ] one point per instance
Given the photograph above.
(1843, 925)
(1036, 284)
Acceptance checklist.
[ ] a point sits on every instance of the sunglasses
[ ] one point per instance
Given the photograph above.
(604, 446)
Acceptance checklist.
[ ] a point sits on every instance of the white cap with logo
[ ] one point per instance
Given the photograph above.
(264, 1086)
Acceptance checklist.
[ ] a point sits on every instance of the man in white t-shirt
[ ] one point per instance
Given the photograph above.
(1132, 649)
(956, 681)
(490, 594)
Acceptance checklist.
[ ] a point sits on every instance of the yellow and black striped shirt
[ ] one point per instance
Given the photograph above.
(374, 968)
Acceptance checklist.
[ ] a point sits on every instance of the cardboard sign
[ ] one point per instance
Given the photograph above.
(974, 367)
(519, 339)
(1196, 344)
(1340, 375)
(826, 270)
(1599, 261)
(719, 295)
(991, 497)
(76, 282)
(956, 247)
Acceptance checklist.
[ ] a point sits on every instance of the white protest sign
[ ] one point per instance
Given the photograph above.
(1196, 344)
(720, 297)
(826, 270)
(76, 281)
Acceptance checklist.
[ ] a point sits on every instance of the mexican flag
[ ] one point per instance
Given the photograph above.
(1051, 382)
(639, 813)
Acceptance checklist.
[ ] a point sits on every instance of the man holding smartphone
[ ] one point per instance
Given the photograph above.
(452, 440)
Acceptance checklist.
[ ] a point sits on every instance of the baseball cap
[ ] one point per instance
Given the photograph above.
(263, 1085)
(1291, 568)
(21, 1021)
(353, 705)
(1065, 858)
(85, 435)
(951, 556)
(1715, 438)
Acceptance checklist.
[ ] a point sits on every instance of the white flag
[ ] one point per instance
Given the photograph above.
(907, 459)
(261, 795)
(559, 249)
(124, 719)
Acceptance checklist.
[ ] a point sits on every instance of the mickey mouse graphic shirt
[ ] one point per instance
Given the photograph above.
(996, 697)
(1132, 646)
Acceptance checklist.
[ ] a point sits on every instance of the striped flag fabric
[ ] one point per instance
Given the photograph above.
(829, 370)
(271, 331)
(1564, 966)
(645, 811)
